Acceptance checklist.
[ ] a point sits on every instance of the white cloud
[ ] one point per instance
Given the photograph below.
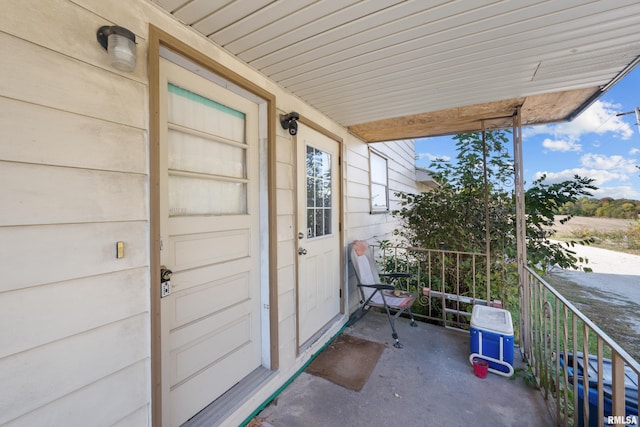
(600, 176)
(622, 192)
(614, 162)
(599, 118)
(560, 145)
(432, 157)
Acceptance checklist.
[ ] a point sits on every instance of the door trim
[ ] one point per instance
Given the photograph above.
(157, 39)
(317, 127)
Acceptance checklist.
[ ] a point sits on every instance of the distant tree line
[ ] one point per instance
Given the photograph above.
(603, 208)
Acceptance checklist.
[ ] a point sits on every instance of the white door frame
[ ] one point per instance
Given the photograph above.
(340, 228)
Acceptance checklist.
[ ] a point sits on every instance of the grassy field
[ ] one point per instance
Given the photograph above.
(621, 235)
(580, 223)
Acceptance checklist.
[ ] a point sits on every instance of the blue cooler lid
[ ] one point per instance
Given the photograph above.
(491, 319)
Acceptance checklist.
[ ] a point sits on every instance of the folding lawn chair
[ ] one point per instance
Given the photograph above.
(374, 293)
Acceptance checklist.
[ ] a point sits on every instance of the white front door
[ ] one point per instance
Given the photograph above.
(209, 221)
(319, 255)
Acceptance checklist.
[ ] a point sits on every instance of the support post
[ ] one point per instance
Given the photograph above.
(486, 212)
(521, 235)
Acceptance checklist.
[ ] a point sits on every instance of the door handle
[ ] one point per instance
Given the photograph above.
(165, 274)
(302, 251)
(165, 281)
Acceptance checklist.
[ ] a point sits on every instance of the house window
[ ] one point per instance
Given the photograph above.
(379, 182)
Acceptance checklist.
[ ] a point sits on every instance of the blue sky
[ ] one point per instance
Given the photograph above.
(597, 144)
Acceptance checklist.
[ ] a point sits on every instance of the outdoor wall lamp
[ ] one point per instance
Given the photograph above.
(120, 43)
(288, 121)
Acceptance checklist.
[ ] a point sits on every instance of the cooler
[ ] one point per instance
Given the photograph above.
(492, 338)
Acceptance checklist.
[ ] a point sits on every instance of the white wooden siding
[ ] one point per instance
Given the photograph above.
(52, 194)
(285, 184)
(90, 143)
(44, 254)
(91, 301)
(360, 223)
(68, 84)
(77, 23)
(88, 404)
(74, 167)
(401, 166)
(73, 162)
(402, 171)
(48, 374)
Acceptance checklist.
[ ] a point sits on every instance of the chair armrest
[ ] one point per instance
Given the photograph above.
(380, 287)
(396, 275)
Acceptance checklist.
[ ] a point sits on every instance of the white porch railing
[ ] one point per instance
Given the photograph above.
(597, 389)
(449, 282)
(578, 387)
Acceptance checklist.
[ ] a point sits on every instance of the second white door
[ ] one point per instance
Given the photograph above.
(319, 256)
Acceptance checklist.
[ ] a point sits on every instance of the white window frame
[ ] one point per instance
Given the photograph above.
(378, 182)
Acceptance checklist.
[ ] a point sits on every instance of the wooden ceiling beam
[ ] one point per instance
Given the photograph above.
(535, 109)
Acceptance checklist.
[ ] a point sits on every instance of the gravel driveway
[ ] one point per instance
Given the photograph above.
(610, 295)
(614, 272)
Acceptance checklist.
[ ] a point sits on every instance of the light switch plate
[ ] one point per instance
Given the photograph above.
(119, 250)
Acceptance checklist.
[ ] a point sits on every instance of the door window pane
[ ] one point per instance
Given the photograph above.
(194, 111)
(319, 207)
(196, 196)
(197, 154)
(207, 156)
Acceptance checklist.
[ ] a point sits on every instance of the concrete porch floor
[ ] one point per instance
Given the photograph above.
(429, 382)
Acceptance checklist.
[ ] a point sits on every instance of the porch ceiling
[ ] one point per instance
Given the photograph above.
(391, 69)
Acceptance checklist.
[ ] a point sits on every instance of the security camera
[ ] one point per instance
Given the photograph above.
(288, 121)
(293, 127)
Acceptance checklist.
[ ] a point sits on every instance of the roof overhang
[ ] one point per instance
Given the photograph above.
(537, 109)
(392, 69)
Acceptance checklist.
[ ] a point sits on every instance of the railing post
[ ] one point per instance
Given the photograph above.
(521, 233)
(574, 343)
(618, 399)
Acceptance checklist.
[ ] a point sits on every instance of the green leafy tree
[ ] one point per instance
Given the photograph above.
(454, 215)
(542, 201)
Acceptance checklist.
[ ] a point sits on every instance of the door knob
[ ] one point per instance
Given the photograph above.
(302, 251)
(165, 274)
(165, 281)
